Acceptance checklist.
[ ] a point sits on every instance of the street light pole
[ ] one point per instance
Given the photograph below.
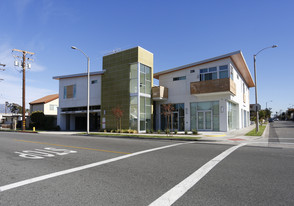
(255, 79)
(88, 89)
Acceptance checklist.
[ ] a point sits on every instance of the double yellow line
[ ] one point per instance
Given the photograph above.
(85, 148)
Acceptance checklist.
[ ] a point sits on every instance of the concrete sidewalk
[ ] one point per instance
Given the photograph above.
(232, 136)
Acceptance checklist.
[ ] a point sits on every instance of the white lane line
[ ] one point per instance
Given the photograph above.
(64, 172)
(180, 189)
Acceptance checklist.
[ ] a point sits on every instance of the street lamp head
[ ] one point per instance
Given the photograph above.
(274, 46)
(73, 47)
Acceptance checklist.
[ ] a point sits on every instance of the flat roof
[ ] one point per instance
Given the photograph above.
(123, 50)
(78, 75)
(236, 57)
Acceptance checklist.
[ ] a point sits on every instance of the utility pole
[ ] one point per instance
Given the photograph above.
(24, 54)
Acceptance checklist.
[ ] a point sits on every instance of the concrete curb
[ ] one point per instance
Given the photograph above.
(266, 131)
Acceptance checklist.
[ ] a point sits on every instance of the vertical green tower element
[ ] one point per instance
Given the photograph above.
(124, 73)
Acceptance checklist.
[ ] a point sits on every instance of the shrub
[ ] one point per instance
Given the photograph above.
(147, 131)
(167, 131)
(194, 131)
(151, 131)
(186, 132)
(158, 131)
(111, 131)
(176, 131)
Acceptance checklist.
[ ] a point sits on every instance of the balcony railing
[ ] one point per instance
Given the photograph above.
(159, 93)
(213, 86)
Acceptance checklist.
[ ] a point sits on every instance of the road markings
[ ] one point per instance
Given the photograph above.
(180, 189)
(76, 169)
(41, 153)
(85, 148)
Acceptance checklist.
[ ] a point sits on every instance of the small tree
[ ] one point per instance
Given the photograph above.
(167, 110)
(117, 113)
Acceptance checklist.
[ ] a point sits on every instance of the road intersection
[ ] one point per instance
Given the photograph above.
(86, 170)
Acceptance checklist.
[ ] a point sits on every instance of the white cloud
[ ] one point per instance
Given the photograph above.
(12, 92)
(11, 86)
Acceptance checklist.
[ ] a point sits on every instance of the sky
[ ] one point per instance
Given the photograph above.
(176, 32)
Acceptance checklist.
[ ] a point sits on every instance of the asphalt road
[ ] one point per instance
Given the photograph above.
(39, 169)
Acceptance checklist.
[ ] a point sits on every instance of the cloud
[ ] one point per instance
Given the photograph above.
(12, 92)
(8, 57)
(11, 86)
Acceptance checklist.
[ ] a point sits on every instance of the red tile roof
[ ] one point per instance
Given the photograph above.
(45, 99)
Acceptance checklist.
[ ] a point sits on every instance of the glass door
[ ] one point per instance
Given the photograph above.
(208, 122)
(200, 121)
(204, 120)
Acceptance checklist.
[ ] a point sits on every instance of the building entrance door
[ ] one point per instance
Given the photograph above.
(204, 121)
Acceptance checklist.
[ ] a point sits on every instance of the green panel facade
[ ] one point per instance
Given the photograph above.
(116, 84)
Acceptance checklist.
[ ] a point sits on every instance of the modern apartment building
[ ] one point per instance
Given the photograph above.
(212, 94)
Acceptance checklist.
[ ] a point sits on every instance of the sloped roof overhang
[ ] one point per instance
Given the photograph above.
(236, 57)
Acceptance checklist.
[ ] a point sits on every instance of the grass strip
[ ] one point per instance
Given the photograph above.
(259, 133)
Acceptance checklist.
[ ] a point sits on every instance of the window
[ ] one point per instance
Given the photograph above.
(232, 73)
(69, 91)
(208, 74)
(94, 81)
(179, 78)
(53, 107)
(134, 78)
(145, 79)
(176, 120)
(192, 71)
(223, 72)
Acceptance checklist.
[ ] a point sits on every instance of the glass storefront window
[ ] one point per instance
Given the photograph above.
(204, 115)
(176, 121)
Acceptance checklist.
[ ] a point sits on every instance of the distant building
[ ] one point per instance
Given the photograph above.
(48, 105)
